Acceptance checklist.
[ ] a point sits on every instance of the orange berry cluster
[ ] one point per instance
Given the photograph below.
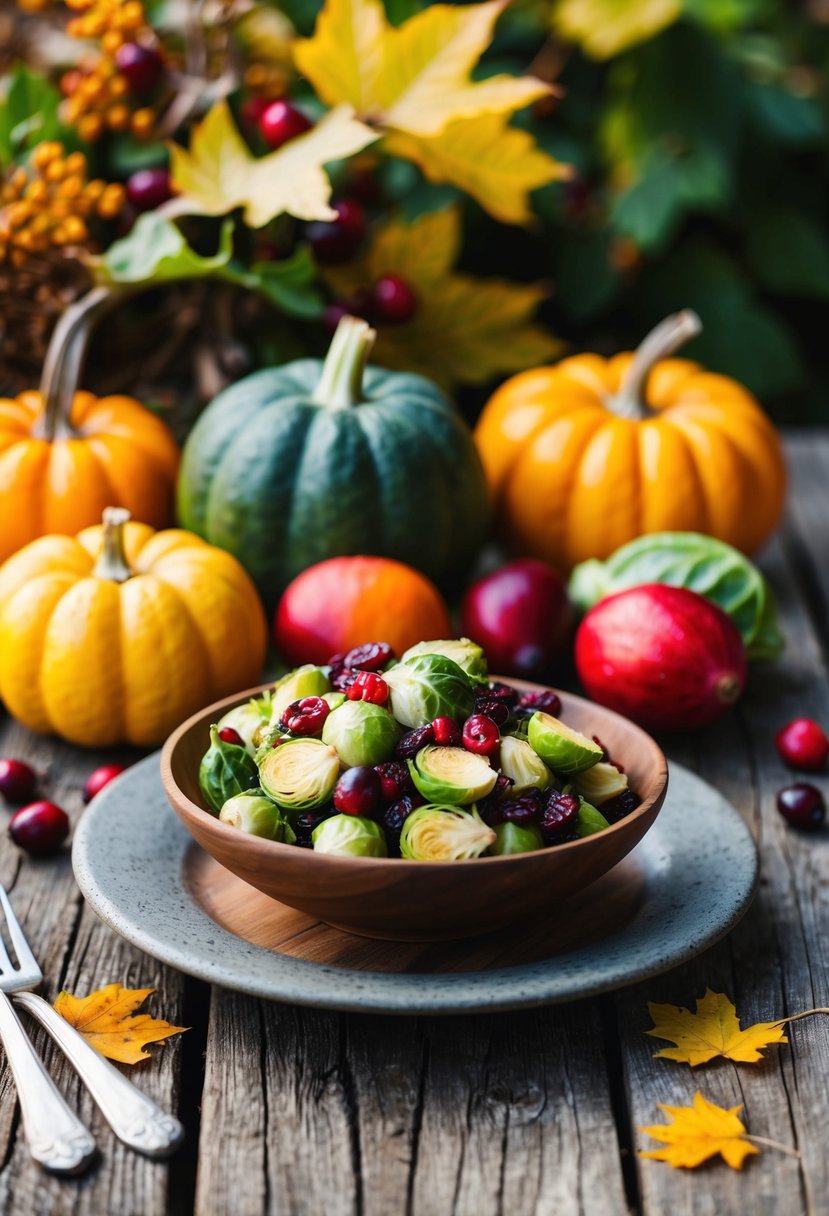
(266, 80)
(97, 93)
(48, 206)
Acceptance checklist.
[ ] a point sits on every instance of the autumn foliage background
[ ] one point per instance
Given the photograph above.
(693, 171)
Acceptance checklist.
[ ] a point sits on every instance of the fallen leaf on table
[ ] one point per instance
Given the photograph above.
(219, 172)
(108, 1020)
(713, 1029)
(699, 1132)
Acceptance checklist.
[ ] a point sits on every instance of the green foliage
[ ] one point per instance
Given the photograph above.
(28, 114)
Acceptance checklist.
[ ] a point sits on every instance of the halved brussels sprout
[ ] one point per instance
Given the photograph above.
(523, 766)
(300, 774)
(248, 719)
(564, 749)
(429, 686)
(362, 733)
(444, 833)
(510, 838)
(255, 814)
(307, 681)
(589, 819)
(467, 654)
(350, 836)
(226, 769)
(452, 775)
(601, 782)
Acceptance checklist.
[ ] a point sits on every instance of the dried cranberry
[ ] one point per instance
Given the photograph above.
(558, 814)
(343, 678)
(228, 735)
(605, 752)
(395, 780)
(411, 743)
(546, 702)
(491, 808)
(523, 811)
(373, 656)
(337, 661)
(368, 687)
(481, 735)
(358, 791)
(306, 821)
(616, 808)
(498, 711)
(395, 816)
(306, 716)
(447, 732)
(501, 692)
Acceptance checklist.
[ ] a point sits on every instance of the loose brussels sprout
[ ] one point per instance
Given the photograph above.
(429, 686)
(333, 699)
(600, 782)
(589, 819)
(248, 720)
(255, 814)
(307, 681)
(467, 654)
(300, 774)
(349, 836)
(523, 766)
(564, 749)
(510, 838)
(452, 775)
(444, 833)
(362, 733)
(226, 769)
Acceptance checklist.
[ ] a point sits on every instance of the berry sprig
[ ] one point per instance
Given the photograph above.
(48, 205)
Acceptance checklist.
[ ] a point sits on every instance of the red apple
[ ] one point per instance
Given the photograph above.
(520, 614)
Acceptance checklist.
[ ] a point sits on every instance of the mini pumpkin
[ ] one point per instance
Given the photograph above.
(582, 457)
(118, 634)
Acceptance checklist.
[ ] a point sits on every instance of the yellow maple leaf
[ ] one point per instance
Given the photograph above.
(413, 83)
(219, 173)
(604, 28)
(713, 1029)
(699, 1132)
(108, 1020)
(464, 329)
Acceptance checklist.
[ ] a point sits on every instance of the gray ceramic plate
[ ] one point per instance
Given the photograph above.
(698, 863)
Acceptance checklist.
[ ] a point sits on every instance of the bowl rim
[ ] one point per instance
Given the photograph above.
(257, 843)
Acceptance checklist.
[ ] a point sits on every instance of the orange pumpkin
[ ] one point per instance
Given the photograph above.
(120, 633)
(587, 455)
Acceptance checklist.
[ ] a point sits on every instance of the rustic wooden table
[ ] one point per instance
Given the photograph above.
(292, 1110)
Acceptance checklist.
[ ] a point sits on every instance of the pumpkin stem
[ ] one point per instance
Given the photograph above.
(341, 383)
(112, 563)
(661, 342)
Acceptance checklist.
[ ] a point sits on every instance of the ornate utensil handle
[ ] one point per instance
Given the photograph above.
(133, 1116)
(55, 1135)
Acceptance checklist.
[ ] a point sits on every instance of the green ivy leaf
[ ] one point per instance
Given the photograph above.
(789, 253)
(156, 252)
(29, 114)
(288, 284)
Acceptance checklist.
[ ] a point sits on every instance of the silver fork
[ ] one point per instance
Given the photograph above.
(133, 1116)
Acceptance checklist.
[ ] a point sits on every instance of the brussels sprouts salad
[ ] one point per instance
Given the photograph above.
(421, 757)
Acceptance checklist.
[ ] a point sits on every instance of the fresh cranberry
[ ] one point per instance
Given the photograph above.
(616, 808)
(411, 743)
(395, 780)
(142, 67)
(358, 791)
(336, 240)
(393, 300)
(497, 710)
(447, 732)
(481, 735)
(373, 656)
(523, 811)
(558, 814)
(496, 691)
(102, 776)
(368, 686)
(17, 781)
(281, 122)
(802, 806)
(40, 827)
(149, 188)
(228, 735)
(342, 679)
(306, 716)
(546, 702)
(803, 744)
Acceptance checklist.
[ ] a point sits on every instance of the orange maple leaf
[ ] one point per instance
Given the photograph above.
(699, 1132)
(108, 1020)
(713, 1029)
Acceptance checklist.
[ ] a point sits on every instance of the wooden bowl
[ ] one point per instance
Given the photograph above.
(415, 900)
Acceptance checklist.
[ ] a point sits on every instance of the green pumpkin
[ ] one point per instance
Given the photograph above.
(297, 464)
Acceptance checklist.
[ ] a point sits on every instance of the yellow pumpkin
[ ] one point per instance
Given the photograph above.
(587, 455)
(120, 633)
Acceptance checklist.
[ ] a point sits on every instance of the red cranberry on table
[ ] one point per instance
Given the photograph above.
(393, 300)
(803, 744)
(368, 686)
(149, 188)
(447, 732)
(802, 806)
(481, 735)
(358, 791)
(17, 781)
(336, 240)
(40, 827)
(306, 716)
(102, 776)
(280, 122)
(142, 66)
(228, 735)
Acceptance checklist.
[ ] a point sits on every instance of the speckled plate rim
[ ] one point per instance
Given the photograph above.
(699, 859)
